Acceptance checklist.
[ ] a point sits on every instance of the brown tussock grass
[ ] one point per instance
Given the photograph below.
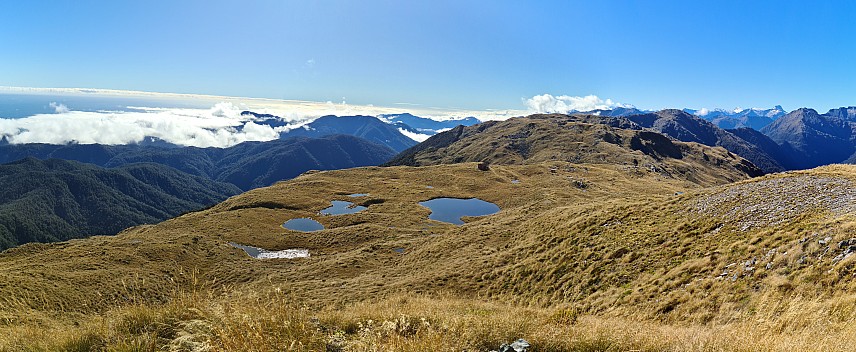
(275, 321)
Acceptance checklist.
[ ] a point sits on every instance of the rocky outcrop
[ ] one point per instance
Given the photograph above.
(520, 345)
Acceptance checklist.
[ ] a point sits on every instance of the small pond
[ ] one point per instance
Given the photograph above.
(340, 207)
(356, 195)
(515, 181)
(303, 224)
(260, 253)
(452, 209)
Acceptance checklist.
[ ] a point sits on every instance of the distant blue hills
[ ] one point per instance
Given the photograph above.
(247, 165)
(772, 139)
(425, 125)
(384, 129)
(726, 119)
(326, 143)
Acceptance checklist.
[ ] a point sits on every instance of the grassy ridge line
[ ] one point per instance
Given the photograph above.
(579, 139)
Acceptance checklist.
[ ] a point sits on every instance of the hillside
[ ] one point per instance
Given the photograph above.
(425, 125)
(688, 128)
(385, 132)
(247, 165)
(577, 139)
(786, 156)
(683, 245)
(366, 127)
(56, 200)
(741, 118)
(628, 245)
(257, 164)
(818, 139)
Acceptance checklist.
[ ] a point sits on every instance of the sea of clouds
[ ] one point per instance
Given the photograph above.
(220, 126)
(223, 125)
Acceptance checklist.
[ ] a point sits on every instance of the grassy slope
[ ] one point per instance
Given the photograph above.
(567, 266)
(577, 139)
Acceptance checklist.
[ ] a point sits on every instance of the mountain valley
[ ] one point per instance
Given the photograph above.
(605, 223)
(455, 176)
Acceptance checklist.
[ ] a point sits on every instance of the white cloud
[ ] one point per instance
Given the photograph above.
(702, 112)
(223, 109)
(547, 103)
(414, 136)
(293, 112)
(59, 107)
(220, 126)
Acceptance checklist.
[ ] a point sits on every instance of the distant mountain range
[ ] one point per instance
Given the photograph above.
(725, 119)
(367, 127)
(425, 125)
(247, 165)
(815, 139)
(55, 200)
(772, 139)
(578, 139)
(739, 118)
(662, 140)
(389, 130)
(685, 127)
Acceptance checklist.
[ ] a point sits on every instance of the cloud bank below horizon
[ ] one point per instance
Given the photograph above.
(220, 126)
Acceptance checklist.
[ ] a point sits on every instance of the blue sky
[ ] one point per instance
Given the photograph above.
(464, 54)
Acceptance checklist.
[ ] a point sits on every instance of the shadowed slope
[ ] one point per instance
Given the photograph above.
(818, 139)
(56, 200)
(366, 127)
(247, 165)
(688, 128)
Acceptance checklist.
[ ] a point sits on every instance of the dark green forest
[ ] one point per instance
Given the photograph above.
(55, 200)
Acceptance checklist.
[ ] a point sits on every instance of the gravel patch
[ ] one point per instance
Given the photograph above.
(776, 201)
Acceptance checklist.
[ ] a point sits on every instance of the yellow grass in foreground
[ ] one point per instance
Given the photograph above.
(273, 321)
(624, 264)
